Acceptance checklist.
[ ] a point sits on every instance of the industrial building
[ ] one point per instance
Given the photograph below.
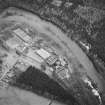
(24, 55)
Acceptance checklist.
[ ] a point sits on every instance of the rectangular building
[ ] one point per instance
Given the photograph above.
(43, 53)
(33, 55)
(63, 74)
(51, 59)
(23, 35)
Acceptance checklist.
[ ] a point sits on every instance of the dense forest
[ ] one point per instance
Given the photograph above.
(36, 81)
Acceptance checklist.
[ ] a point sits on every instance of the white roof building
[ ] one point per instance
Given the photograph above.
(43, 53)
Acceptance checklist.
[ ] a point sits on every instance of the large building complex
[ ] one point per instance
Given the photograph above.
(24, 51)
